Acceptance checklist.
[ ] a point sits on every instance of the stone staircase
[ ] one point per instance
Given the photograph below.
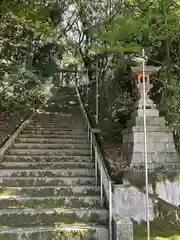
(48, 189)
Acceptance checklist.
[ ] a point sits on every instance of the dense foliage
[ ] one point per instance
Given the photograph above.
(27, 43)
(38, 38)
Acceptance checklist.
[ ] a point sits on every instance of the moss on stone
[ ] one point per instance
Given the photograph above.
(137, 178)
(160, 230)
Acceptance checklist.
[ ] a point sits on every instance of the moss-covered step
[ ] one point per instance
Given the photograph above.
(50, 217)
(52, 120)
(38, 158)
(49, 152)
(47, 173)
(54, 191)
(54, 128)
(50, 146)
(60, 123)
(66, 232)
(59, 126)
(62, 136)
(46, 165)
(15, 201)
(46, 181)
(50, 124)
(55, 132)
(52, 140)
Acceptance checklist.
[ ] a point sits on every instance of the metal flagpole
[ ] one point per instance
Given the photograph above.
(97, 95)
(145, 148)
(87, 89)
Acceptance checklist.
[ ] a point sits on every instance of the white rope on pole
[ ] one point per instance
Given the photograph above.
(97, 95)
(87, 87)
(145, 148)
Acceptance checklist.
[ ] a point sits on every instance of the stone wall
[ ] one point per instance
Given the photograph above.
(129, 205)
(131, 202)
(168, 191)
(163, 184)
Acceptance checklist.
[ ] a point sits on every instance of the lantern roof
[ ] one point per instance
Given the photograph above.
(148, 69)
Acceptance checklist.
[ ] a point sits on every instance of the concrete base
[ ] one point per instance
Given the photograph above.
(123, 228)
(161, 149)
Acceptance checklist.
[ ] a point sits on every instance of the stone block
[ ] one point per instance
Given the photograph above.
(161, 149)
(155, 160)
(150, 121)
(159, 137)
(123, 228)
(148, 129)
(153, 147)
(149, 112)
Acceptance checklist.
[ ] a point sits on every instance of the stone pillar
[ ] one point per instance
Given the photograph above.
(123, 228)
(160, 143)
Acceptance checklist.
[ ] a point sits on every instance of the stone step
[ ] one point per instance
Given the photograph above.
(49, 124)
(51, 159)
(46, 181)
(57, 232)
(59, 127)
(59, 136)
(46, 165)
(51, 140)
(48, 173)
(55, 128)
(15, 202)
(49, 152)
(55, 191)
(50, 146)
(61, 124)
(60, 119)
(55, 132)
(57, 120)
(47, 217)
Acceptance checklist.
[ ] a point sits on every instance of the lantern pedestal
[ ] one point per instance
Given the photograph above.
(161, 150)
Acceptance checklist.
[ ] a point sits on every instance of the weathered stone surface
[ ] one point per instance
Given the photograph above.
(169, 190)
(49, 191)
(123, 228)
(48, 179)
(151, 148)
(148, 129)
(46, 165)
(49, 217)
(52, 140)
(55, 136)
(155, 159)
(55, 132)
(50, 146)
(39, 158)
(54, 233)
(41, 202)
(161, 151)
(131, 203)
(150, 121)
(138, 137)
(149, 113)
(81, 172)
(49, 152)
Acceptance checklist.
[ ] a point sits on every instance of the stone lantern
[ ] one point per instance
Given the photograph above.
(161, 150)
(149, 72)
